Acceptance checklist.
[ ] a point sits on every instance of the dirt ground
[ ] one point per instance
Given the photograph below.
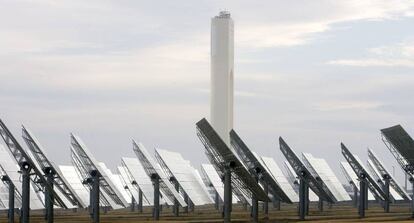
(288, 213)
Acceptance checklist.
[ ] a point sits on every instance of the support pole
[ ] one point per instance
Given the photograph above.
(320, 204)
(176, 207)
(307, 199)
(276, 203)
(227, 195)
(10, 212)
(140, 200)
(387, 197)
(405, 181)
(254, 210)
(265, 203)
(217, 201)
(133, 204)
(191, 205)
(25, 214)
(49, 195)
(156, 181)
(95, 195)
(355, 188)
(366, 194)
(255, 206)
(187, 201)
(412, 197)
(302, 198)
(88, 181)
(362, 195)
(11, 202)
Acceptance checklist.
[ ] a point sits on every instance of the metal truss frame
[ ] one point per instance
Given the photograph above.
(85, 176)
(21, 157)
(59, 182)
(317, 186)
(358, 169)
(384, 172)
(256, 168)
(221, 157)
(90, 167)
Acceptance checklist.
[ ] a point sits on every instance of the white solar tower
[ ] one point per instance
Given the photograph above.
(323, 170)
(222, 69)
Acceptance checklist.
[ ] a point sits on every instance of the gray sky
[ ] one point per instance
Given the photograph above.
(314, 72)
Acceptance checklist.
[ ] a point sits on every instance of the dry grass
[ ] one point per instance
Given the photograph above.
(338, 213)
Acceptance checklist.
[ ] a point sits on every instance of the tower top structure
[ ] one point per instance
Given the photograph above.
(224, 15)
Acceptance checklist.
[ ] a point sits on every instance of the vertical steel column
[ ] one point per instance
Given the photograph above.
(355, 188)
(245, 206)
(405, 181)
(95, 195)
(254, 210)
(362, 195)
(11, 202)
(10, 212)
(387, 197)
(133, 204)
(255, 206)
(176, 208)
(320, 201)
(217, 201)
(88, 181)
(140, 200)
(276, 203)
(320, 204)
(49, 196)
(302, 198)
(366, 194)
(307, 199)
(187, 200)
(265, 203)
(25, 168)
(47, 202)
(156, 181)
(227, 195)
(191, 205)
(412, 197)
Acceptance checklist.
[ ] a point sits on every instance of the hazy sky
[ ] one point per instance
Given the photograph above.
(314, 72)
